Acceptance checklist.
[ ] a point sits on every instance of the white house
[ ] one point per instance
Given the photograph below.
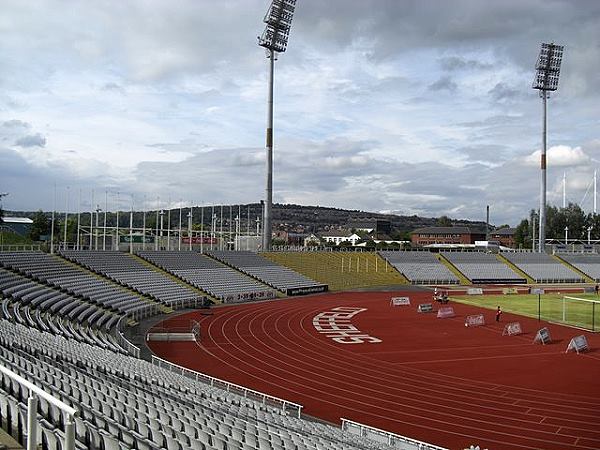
(339, 236)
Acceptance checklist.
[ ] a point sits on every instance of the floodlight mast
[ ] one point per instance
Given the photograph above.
(546, 79)
(274, 39)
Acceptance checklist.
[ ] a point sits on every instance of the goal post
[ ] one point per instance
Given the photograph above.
(580, 312)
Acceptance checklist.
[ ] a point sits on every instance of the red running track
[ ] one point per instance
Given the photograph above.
(430, 379)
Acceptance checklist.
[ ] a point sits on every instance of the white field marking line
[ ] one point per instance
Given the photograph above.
(466, 435)
(328, 386)
(440, 349)
(283, 335)
(569, 396)
(471, 381)
(352, 357)
(553, 426)
(435, 361)
(562, 324)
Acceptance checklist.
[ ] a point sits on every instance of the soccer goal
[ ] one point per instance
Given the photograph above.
(580, 312)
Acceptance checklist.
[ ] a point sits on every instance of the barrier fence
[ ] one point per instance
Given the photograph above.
(386, 437)
(265, 399)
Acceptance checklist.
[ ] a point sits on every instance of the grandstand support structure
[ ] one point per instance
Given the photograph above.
(32, 402)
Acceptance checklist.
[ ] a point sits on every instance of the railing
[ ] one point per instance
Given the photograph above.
(123, 342)
(69, 439)
(386, 437)
(20, 248)
(230, 387)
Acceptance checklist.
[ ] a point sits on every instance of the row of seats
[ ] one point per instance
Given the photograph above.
(588, 263)
(542, 267)
(265, 270)
(56, 272)
(129, 271)
(128, 403)
(209, 275)
(420, 267)
(480, 267)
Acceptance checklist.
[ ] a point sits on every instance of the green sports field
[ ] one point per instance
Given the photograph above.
(550, 307)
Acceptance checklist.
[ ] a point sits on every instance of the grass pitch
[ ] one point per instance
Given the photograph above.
(550, 307)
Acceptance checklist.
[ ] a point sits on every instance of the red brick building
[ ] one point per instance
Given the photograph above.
(446, 235)
(505, 236)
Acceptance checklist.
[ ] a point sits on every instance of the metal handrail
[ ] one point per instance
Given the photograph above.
(198, 375)
(69, 442)
(365, 430)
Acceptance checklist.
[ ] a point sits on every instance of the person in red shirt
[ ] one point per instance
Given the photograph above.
(498, 314)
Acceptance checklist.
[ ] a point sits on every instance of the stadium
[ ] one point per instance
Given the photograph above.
(124, 328)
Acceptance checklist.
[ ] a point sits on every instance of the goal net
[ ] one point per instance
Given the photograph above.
(576, 311)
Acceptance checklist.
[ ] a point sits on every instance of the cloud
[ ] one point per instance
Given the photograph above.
(560, 156)
(32, 140)
(359, 119)
(445, 83)
(452, 63)
(501, 91)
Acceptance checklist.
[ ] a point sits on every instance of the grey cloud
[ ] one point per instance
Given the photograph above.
(113, 87)
(15, 125)
(451, 63)
(443, 84)
(501, 91)
(32, 140)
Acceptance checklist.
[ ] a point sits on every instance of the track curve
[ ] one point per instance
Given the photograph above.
(430, 379)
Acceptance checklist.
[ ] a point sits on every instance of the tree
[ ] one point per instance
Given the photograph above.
(522, 238)
(444, 221)
(40, 226)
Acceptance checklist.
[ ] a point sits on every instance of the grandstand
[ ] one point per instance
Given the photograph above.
(340, 270)
(129, 271)
(128, 403)
(269, 272)
(73, 280)
(216, 279)
(35, 305)
(420, 267)
(542, 268)
(588, 263)
(481, 268)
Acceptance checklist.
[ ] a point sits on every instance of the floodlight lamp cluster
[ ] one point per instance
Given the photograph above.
(548, 67)
(279, 21)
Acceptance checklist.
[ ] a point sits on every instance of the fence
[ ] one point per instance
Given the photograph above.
(386, 437)
(20, 248)
(265, 399)
(32, 401)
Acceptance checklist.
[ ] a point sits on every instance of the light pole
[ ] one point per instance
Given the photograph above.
(2, 195)
(546, 79)
(237, 233)
(162, 215)
(189, 216)
(98, 211)
(274, 39)
(213, 225)
(589, 230)
(566, 235)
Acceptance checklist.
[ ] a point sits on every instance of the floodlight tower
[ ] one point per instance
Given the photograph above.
(274, 39)
(546, 79)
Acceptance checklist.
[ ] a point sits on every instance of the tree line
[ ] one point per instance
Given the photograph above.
(557, 219)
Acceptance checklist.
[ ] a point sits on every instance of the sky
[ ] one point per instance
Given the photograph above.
(403, 106)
